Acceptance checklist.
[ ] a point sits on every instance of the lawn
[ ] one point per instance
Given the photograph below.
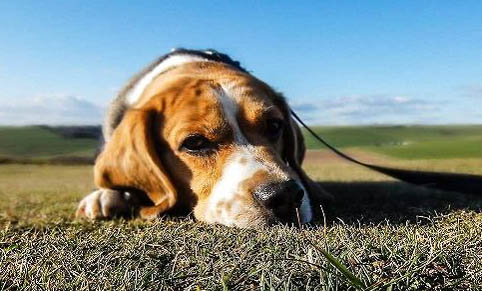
(387, 234)
(43, 144)
(406, 142)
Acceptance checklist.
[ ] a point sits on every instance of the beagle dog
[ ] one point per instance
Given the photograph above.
(194, 131)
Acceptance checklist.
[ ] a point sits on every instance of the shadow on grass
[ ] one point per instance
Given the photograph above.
(392, 202)
(369, 203)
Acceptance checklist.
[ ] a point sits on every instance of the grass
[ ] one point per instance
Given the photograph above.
(406, 142)
(462, 147)
(383, 233)
(41, 143)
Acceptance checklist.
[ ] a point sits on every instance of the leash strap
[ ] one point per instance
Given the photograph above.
(463, 183)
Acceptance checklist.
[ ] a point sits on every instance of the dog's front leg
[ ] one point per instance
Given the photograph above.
(105, 204)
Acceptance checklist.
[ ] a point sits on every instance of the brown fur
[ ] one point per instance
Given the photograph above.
(142, 149)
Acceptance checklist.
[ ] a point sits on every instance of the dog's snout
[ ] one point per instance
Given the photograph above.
(280, 196)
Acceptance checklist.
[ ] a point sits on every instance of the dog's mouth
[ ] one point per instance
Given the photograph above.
(278, 213)
(259, 213)
(290, 217)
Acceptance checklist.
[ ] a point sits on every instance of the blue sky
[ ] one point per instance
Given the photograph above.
(338, 62)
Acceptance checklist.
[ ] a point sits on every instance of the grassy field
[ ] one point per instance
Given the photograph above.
(406, 142)
(43, 144)
(46, 144)
(387, 234)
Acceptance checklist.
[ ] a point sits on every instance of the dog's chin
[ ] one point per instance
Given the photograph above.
(257, 221)
(263, 221)
(242, 215)
(246, 217)
(250, 220)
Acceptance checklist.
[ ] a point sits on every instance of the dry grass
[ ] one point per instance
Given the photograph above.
(386, 233)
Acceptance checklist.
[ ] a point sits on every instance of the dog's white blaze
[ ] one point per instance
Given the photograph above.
(173, 61)
(236, 172)
(226, 205)
(230, 109)
(223, 205)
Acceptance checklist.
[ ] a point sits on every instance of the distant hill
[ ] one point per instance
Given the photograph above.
(78, 144)
(63, 144)
(88, 131)
(406, 142)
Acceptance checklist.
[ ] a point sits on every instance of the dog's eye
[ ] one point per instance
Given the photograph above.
(274, 128)
(197, 144)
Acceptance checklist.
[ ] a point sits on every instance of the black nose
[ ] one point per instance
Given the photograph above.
(280, 197)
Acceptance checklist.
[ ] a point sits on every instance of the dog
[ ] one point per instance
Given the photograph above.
(196, 132)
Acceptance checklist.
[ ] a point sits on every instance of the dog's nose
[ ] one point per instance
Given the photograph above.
(280, 197)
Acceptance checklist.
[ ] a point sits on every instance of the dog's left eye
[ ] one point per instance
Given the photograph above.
(197, 144)
(274, 128)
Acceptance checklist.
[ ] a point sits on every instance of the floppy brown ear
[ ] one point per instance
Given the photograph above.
(130, 160)
(294, 153)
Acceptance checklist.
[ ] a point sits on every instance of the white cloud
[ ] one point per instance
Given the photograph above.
(366, 109)
(472, 91)
(401, 99)
(386, 109)
(51, 110)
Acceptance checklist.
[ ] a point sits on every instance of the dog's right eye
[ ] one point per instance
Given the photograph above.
(274, 128)
(197, 144)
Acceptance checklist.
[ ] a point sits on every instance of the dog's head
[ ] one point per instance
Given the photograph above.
(206, 135)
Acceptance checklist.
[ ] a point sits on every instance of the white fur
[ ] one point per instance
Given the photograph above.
(224, 206)
(90, 205)
(103, 203)
(173, 61)
(230, 110)
(235, 172)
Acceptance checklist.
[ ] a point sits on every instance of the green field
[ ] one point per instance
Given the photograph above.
(386, 234)
(39, 143)
(406, 142)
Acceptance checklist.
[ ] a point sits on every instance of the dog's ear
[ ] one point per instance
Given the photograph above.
(294, 153)
(130, 160)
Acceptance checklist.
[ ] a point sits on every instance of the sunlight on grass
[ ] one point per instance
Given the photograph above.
(379, 234)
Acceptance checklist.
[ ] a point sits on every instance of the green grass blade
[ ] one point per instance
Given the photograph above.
(357, 283)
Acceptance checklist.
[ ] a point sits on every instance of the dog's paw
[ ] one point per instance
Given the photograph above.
(103, 204)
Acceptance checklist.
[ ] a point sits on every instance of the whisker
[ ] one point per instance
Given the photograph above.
(298, 216)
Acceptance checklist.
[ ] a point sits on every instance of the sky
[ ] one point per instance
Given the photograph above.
(337, 62)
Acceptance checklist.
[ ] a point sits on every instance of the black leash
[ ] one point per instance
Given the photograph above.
(463, 183)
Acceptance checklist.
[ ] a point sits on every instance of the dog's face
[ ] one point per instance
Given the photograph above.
(216, 140)
(225, 140)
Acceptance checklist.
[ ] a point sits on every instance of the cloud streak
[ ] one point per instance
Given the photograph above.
(472, 91)
(51, 110)
(347, 110)
(378, 109)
